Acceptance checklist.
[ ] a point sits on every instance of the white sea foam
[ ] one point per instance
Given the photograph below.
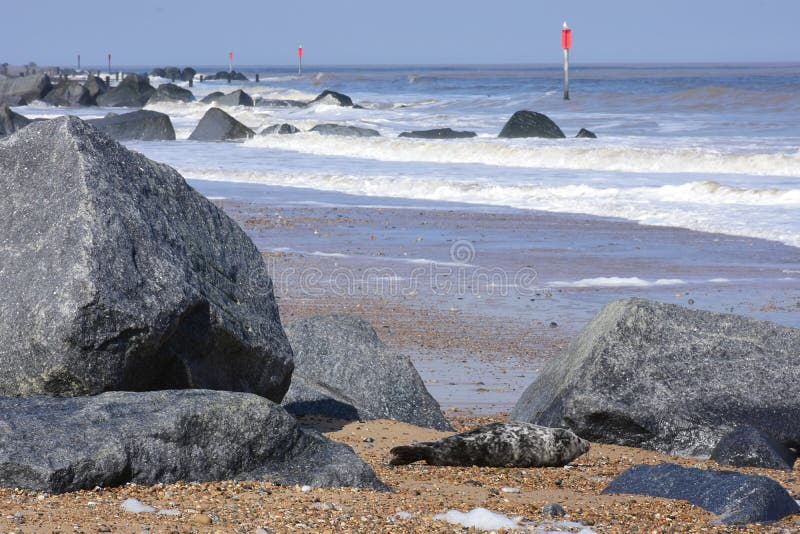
(479, 518)
(544, 154)
(135, 506)
(616, 281)
(704, 206)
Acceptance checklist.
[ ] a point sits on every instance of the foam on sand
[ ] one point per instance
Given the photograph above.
(617, 281)
(479, 518)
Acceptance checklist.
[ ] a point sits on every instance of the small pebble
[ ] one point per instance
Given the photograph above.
(509, 490)
(201, 519)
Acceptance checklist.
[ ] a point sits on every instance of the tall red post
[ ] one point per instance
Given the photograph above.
(566, 44)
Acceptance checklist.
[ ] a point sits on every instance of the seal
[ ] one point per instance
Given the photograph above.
(514, 444)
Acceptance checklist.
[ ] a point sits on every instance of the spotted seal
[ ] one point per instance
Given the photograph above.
(497, 445)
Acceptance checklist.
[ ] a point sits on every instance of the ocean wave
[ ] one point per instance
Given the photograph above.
(546, 154)
(617, 281)
(703, 206)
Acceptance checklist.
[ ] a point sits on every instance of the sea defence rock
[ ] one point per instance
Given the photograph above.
(96, 86)
(11, 121)
(58, 445)
(223, 75)
(750, 447)
(585, 134)
(278, 103)
(332, 98)
(188, 74)
(69, 93)
(216, 125)
(531, 124)
(132, 92)
(440, 133)
(142, 125)
(236, 98)
(348, 131)
(343, 370)
(735, 497)
(117, 275)
(279, 129)
(169, 92)
(673, 379)
(211, 97)
(18, 91)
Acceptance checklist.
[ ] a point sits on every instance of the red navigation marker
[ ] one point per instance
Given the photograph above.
(300, 51)
(566, 44)
(566, 38)
(230, 56)
(300, 60)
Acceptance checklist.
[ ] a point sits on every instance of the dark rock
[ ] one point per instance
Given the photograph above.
(441, 133)
(158, 72)
(18, 91)
(211, 97)
(173, 73)
(143, 125)
(750, 447)
(660, 376)
(531, 124)
(188, 74)
(269, 103)
(216, 125)
(553, 509)
(10, 121)
(343, 370)
(279, 129)
(69, 93)
(117, 275)
(584, 133)
(735, 497)
(60, 445)
(169, 92)
(96, 86)
(332, 98)
(223, 75)
(236, 98)
(340, 129)
(132, 92)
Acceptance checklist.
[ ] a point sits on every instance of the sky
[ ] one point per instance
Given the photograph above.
(360, 32)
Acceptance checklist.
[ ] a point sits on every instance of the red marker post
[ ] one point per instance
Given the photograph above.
(230, 62)
(566, 44)
(300, 60)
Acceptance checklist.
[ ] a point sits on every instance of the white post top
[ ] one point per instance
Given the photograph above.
(565, 25)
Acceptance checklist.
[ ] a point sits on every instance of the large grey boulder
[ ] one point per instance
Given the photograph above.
(142, 125)
(169, 92)
(10, 121)
(736, 498)
(132, 92)
(188, 74)
(96, 87)
(348, 131)
(439, 133)
(332, 98)
(216, 125)
(212, 97)
(236, 98)
(21, 90)
(116, 275)
(69, 93)
(750, 447)
(343, 370)
(531, 124)
(673, 379)
(59, 445)
(224, 75)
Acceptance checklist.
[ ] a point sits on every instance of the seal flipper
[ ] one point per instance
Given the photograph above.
(408, 454)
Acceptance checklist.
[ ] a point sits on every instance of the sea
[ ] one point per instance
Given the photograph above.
(709, 147)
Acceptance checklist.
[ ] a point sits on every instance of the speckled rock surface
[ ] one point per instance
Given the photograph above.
(59, 445)
(343, 370)
(116, 275)
(673, 379)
